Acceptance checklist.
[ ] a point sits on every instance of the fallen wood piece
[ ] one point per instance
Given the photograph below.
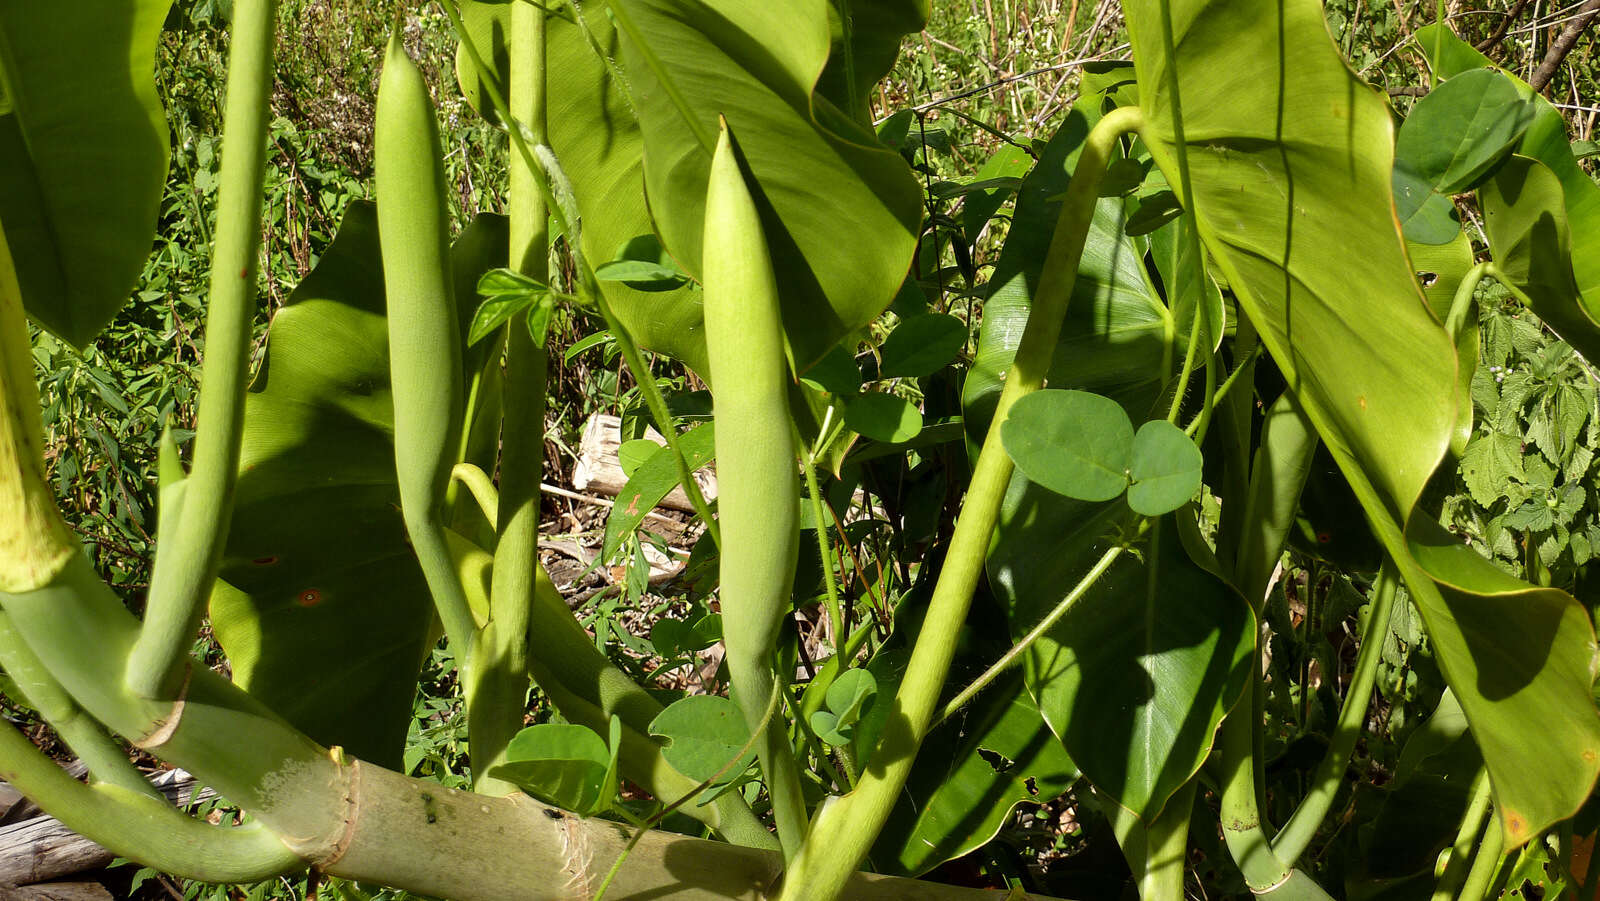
(56, 891)
(41, 849)
(599, 470)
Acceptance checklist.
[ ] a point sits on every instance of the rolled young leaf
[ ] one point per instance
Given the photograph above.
(759, 496)
(424, 340)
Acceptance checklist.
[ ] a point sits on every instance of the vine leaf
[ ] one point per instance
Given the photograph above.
(1288, 194)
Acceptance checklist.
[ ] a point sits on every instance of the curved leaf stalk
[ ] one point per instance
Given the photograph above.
(1242, 827)
(1461, 302)
(1455, 867)
(1157, 852)
(849, 825)
(759, 498)
(1313, 809)
(1218, 393)
(1010, 657)
(481, 487)
(1189, 356)
(588, 286)
(497, 710)
(106, 760)
(186, 565)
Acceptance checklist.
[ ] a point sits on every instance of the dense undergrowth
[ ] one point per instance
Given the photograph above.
(970, 103)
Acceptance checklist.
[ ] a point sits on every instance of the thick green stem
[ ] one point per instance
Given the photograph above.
(1282, 464)
(186, 566)
(1455, 867)
(844, 830)
(482, 489)
(1242, 826)
(1157, 852)
(106, 760)
(1485, 865)
(495, 715)
(1313, 809)
(132, 824)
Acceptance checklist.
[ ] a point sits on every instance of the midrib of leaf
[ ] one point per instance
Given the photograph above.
(659, 69)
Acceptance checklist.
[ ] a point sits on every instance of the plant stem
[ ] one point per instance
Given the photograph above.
(186, 567)
(132, 824)
(852, 823)
(1461, 303)
(1045, 625)
(587, 284)
(107, 762)
(836, 624)
(496, 709)
(1193, 429)
(1156, 852)
(1242, 826)
(1455, 867)
(1484, 865)
(1313, 809)
(482, 489)
(1189, 355)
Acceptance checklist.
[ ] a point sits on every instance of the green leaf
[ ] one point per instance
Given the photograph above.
(1074, 443)
(922, 345)
(1490, 464)
(1138, 673)
(970, 774)
(1009, 162)
(1295, 203)
(840, 254)
(643, 264)
(849, 698)
(876, 30)
(593, 132)
(1189, 286)
(1426, 216)
(83, 155)
(1165, 468)
(835, 373)
(883, 417)
(704, 733)
(321, 606)
(1452, 137)
(1440, 269)
(1524, 217)
(655, 478)
(1546, 141)
(564, 765)
(494, 312)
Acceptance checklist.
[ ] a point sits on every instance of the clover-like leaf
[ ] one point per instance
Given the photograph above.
(1165, 468)
(1072, 442)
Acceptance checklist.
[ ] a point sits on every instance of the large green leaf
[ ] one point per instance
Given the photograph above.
(321, 606)
(1137, 675)
(1526, 222)
(970, 773)
(83, 155)
(875, 29)
(1441, 268)
(1291, 173)
(594, 134)
(1546, 141)
(840, 211)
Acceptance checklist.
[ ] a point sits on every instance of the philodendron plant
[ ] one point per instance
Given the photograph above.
(1234, 216)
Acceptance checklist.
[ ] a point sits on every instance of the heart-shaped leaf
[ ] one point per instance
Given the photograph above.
(565, 765)
(704, 735)
(1165, 468)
